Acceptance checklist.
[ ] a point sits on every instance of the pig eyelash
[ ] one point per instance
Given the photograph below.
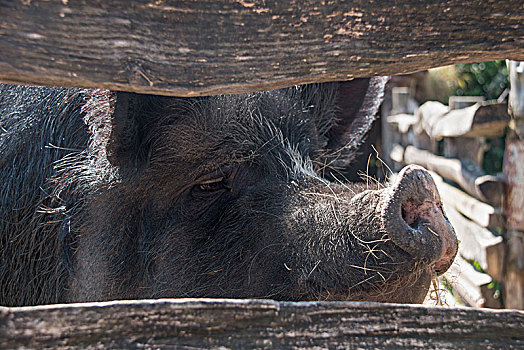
(212, 184)
(218, 181)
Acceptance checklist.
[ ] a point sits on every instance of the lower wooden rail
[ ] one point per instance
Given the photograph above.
(214, 323)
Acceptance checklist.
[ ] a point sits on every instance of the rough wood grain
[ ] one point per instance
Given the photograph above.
(514, 204)
(190, 48)
(514, 176)
(241, 324)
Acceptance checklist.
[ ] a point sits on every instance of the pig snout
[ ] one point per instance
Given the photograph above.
(415, 221)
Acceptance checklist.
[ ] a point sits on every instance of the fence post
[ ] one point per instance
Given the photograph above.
(514, 203)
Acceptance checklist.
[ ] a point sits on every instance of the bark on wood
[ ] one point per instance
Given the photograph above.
(514, 176)
(514, 272)
(240, 324)
(514, 204)
(469, 177)
(190, 48)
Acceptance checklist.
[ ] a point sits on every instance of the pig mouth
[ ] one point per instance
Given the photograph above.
(415, 221)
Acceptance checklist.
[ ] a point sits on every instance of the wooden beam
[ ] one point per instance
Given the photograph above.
(480, 120)
(469, 177)
(514, 204)
(397, 153)
(516, 93)
(428, 115)
(191, 48)
(208, 323)
(514, 174)
(514, 271)
(483, 119)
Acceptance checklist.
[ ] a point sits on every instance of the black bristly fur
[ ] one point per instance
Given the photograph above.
(100, 196)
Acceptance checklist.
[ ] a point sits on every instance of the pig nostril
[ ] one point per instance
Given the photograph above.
(409, 214)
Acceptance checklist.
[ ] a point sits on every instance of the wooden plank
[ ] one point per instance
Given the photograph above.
(471, 286)
(483, 119)
(480, 120)
(402, 121)
(239, 324)
(397, 153)
(428, 115)
(458, 102)
(477, 243)
(469, 177)
(204, 47)
(483, 214)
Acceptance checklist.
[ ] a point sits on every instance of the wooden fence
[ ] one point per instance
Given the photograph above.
(191, 48)
(246, 324)
(485, 210)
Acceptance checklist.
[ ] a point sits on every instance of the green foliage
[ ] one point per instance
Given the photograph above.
(477, 266)
(448, 286)
(496, 288)
(488, 79)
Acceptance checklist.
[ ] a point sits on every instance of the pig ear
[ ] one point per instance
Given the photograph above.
(358, 102)
(125, 148)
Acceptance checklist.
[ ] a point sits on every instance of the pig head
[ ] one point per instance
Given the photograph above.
(244, 196)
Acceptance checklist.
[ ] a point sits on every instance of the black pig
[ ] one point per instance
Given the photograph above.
(109, 195)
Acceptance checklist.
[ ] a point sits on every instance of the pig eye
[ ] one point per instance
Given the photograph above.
(212, 185)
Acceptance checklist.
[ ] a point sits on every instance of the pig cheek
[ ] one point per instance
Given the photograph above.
(164, 255)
